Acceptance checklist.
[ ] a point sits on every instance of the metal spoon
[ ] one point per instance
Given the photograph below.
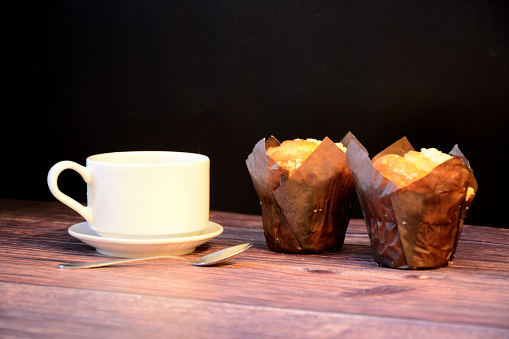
(208, 260)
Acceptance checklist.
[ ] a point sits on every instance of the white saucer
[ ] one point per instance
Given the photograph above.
(134, 248)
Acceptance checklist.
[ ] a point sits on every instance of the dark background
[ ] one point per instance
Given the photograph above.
(214, 77)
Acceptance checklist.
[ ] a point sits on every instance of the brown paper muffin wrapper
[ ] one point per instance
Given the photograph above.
(417, 226)
(308, 212)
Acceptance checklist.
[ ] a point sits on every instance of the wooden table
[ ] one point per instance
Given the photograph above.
(258, 294)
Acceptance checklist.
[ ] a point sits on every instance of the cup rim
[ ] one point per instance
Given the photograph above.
(170, 158)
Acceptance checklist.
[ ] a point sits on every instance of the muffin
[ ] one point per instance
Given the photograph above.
(306, 193)
(414, 203)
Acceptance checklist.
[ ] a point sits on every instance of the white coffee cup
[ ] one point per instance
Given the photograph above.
(141, 195)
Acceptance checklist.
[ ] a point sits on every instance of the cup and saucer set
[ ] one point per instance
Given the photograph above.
(141, 204)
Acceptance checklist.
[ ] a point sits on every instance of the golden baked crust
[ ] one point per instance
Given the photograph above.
(414, 165)
(292, 153)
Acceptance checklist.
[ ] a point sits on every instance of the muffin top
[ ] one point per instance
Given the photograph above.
(403, 170)
(292, 153)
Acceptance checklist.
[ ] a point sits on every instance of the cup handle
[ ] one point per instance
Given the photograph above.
(86, 174)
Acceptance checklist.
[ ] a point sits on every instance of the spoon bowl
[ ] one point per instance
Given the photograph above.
(207, 260)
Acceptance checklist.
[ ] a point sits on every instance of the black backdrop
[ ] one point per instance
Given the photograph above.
(214, 77)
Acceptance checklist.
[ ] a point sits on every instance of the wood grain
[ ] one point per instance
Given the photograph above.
(258, 294)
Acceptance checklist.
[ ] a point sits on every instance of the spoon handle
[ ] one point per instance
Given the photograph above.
(113, 262)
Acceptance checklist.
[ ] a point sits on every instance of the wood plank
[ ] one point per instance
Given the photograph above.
(105, 314)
